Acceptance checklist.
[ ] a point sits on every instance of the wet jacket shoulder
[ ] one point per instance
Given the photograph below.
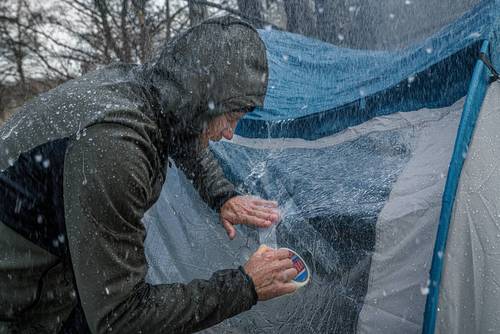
(32, 213)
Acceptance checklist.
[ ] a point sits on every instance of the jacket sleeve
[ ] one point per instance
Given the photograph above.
(204, 170)
(108, 177)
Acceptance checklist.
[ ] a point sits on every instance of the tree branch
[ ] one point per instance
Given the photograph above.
(103, 13)
(234, 12)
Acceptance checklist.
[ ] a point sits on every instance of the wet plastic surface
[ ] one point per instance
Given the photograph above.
(331, 193)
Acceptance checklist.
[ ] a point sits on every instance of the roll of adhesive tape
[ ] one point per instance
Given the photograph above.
(304, 274)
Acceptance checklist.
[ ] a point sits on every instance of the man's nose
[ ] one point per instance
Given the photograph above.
(227, 133)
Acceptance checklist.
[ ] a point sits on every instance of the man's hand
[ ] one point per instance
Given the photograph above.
(271, 271)
(248, 210)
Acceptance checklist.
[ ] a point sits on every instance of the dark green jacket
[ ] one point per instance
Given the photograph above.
(82, 163)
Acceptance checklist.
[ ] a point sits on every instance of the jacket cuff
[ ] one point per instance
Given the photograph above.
(250, 284)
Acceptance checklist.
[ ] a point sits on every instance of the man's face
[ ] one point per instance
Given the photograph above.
(222, 126)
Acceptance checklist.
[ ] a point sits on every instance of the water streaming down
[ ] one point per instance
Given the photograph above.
(329, 216)
(357, 162)
(354, 145)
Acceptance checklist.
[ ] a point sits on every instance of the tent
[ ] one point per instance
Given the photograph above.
(385, 168)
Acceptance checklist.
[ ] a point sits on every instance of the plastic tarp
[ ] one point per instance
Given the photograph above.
(342, 224)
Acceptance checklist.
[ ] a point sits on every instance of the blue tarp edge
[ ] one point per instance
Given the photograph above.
(448, 85)
(348, 87)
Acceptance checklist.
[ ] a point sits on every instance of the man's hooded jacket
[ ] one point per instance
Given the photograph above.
(80, 165)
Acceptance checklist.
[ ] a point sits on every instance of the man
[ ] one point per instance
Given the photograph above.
(82, 163)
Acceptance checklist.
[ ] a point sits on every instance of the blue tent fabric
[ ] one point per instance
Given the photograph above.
(316, 83)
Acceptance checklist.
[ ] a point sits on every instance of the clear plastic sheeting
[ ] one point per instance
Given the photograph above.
(469, 298)
(338, 197)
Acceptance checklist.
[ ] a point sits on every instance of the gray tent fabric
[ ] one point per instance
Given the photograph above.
(185, 241)
(406, 230)
(469, 298)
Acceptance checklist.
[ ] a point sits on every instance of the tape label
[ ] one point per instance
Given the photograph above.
(303, 275)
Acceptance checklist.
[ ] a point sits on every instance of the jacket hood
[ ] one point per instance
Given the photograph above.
(216, 67)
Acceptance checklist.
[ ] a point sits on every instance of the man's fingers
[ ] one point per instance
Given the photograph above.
(231, 231)
(254, 221)
(263, 202)
(268, 215)
(285, 264)
(278, 266)
(280, 254)
(248, 217)
(289, 274)
(263, 249)
(264, 209)
(283, 253)
(248, 211)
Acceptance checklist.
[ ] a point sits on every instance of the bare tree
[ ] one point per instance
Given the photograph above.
(26, 67)
(252, 11)
(328, 25)
(116, 30)
(299, 16)
(18, 41)
(144, 33)
(197, 12)
(45, 43)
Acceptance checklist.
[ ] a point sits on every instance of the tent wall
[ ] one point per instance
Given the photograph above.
(330, 211)
(406, 230)
(475, 97)
(469, 299)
